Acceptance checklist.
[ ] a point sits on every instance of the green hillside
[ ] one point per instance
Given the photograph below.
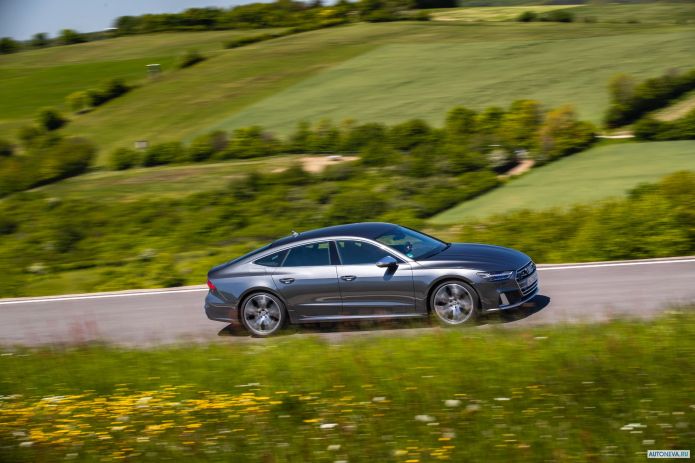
(368, 72)
(44, 77)
(586, 177)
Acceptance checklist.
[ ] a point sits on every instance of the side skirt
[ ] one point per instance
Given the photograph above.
(343, 318)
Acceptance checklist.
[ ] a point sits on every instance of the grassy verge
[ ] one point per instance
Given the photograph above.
(566, 393)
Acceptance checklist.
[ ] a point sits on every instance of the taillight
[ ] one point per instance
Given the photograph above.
(211, 286)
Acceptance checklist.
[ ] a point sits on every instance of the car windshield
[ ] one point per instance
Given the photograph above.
(413, 244)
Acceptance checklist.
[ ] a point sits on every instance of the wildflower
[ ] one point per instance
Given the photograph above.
(328, 425)
(424, 418)
(334, 447)
(452, 403)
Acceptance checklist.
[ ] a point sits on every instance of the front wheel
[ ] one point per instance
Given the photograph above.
(263, 314)
(454, 303)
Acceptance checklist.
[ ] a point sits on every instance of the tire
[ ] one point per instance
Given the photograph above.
(262, 314)
(454, 303)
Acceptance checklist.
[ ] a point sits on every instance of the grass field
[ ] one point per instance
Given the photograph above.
(161, 182)
(598, 173)
(367, 72)
(566, 393)
(44, 77)
(492, 13)
(647, 13)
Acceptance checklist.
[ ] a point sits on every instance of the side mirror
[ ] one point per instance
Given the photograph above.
(387, 261)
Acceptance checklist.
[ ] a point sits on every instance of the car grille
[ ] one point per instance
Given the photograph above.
(522, 276)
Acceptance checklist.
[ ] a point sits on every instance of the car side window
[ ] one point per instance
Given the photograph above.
(273, 260)
(359, 253)
(309, 255)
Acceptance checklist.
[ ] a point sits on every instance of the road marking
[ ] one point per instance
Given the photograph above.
(193, 290)
(102, 296)
(617, 264)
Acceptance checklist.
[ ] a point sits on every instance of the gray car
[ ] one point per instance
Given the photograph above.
(367, 271)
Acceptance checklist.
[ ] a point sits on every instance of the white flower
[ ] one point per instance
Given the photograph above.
(452, 403)
(502, 399)
(424, 418)
(334, 447)
(328, 425)
(26, 444)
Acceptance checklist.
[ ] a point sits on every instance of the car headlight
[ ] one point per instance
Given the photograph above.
(496, 276)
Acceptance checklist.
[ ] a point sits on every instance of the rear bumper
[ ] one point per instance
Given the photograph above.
(218, 310)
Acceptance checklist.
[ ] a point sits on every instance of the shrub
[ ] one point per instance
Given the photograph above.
(191, 58)
(51, 119)
(6, 148)
(527, 16)
(163, 153)
(125, 158)
(561, 16)
(629, 101)
(205, 146)
(78, 102)
(409, 134)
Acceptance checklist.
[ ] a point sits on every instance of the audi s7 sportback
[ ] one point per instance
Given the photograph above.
(367, 271)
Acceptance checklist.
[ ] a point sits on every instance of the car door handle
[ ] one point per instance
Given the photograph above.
(348, 277)
(287, 281)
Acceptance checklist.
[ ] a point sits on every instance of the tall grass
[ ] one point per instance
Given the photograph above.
(567, 393)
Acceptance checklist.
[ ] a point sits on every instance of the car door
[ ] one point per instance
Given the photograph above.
(368, 290)
(308, 281)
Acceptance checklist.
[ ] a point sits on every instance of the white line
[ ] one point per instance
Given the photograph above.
(192, 290)
(101, 296)
(617, 264)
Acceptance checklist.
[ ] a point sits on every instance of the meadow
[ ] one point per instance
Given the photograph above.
(366, 72)
(44, 77)
(601, 172)
(562, 393)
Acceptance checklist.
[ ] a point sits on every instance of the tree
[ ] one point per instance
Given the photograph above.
(51, 119)
(127, 24)
(519, 124)
(460, 122)
(621, 88)
(39, 40)
(8, 45)
(69, 37)
(409, 134)
(562, 134)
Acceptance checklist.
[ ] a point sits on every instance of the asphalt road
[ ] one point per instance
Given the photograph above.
(569, 293)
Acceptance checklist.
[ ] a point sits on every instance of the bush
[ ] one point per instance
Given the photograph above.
(163, 153)
(649, 128)
(629, 101)
(191, 58)
(561, 16)
(205, 146)
(527, 16)
(125, 158)
(6, 148)
(78, 102)
(51, 119)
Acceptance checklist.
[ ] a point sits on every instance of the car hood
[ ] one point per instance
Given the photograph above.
(478, 256)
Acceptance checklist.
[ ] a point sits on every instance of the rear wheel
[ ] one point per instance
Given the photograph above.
(263, 314)
(454, 303)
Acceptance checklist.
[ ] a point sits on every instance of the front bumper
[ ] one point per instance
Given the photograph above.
(219, 310)
(511, 293)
